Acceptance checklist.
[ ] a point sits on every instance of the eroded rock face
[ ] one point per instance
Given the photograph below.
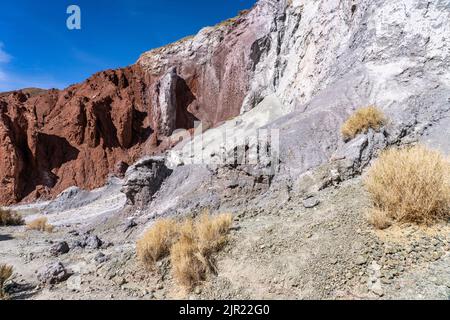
(302, 67)
(52, 140)
(74, 137)
(144, 179)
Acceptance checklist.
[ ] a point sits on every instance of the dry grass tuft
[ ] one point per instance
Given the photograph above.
(363, 120)
(409, 185)
(211, 232)
(156, 242)
(10, 218)
(5, 273)
(40, 224)
(191, 256)
(379, 219)
(190, 243)
(189, 267)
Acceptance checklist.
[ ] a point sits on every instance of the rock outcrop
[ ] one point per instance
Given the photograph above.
(53, 140)
(75, 137)
(320, 61)
(295, 66)
(144, 179)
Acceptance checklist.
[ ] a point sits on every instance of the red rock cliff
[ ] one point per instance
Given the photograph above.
(55, 139)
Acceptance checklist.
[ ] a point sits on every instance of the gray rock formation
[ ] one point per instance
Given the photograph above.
(53, 274)
(74, 197)
(312, 65)
(320, 61)
(59, 248)
(143, 180)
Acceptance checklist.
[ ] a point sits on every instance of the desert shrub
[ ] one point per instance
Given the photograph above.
(156, 242)
(190, 243)
(191, 255)
(189, 267)
(409, 185)
(211, 232)
(10, 218)
(5, 273)
(379, 219)
(363, 120)
(40, 224)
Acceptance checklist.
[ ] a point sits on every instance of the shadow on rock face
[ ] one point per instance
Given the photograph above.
(51, 153)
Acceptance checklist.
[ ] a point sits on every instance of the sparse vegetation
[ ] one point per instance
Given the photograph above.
(363, 120)
(189, 266)
(156, 242)
(409, 185)
(5, 273)
(191, 255)
(10, 218)
(379, 219)
(190, 243)
(226, 23)
(40, 224)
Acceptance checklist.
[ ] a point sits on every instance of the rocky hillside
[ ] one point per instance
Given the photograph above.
(316, 62)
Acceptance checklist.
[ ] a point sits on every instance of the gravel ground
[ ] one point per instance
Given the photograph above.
(318, 248)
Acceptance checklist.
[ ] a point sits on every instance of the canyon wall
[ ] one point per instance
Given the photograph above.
(301, 67)
(51, 140)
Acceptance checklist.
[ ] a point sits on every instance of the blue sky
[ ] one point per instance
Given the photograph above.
(37, 49)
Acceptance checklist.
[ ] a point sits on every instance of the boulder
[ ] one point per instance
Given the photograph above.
(144, 179)
(59, 248)
(53, 274)
(93, 242)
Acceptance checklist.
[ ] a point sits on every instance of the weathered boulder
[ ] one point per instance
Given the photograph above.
(59, 248)
(93, 242)
(53, 274)
(144, 179)
(166, 98)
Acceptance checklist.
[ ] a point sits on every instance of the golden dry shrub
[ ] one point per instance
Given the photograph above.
(191, 255)
(409, 185)
(5, 273)
(190, 244)
(156, 242)
(10, 218)
(189, 267)
(211, 232)
(363, 120)
(379, 219)
(40, 224)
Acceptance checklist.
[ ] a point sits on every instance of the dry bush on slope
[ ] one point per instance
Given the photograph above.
(409, 185)
(188, 265)
(191, 244)
(156, 242)
(10, 218)
(5, 273)
(40, 224)
(363, 120)
(191, 256)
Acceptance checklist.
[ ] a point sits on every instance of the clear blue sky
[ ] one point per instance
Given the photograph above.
(37, 49)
